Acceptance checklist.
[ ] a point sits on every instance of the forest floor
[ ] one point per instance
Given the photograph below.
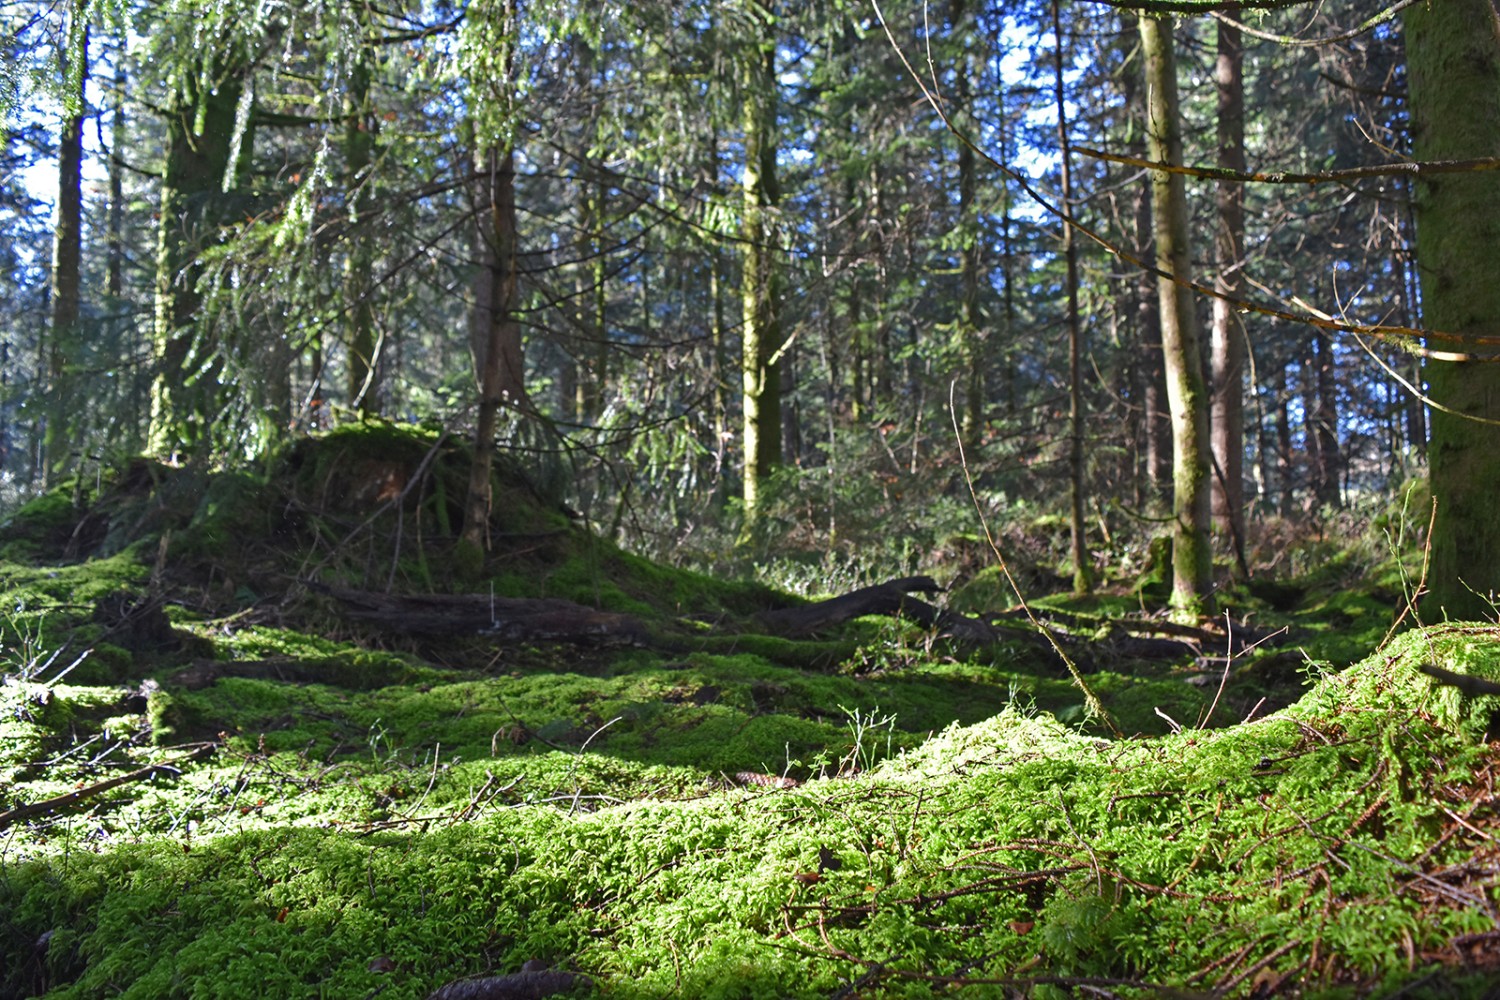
(240, 756)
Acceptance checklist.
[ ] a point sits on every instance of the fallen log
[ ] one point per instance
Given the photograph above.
(511, 619)
(890, 598)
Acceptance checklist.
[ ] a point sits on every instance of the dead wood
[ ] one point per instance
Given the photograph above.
(511, 619)
(1469, 687)
(526, 985)
(80, 795)
(888, 598)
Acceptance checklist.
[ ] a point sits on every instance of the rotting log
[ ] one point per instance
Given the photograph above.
(511, 619)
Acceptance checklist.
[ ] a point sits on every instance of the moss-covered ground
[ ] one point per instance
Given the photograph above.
(213, 783)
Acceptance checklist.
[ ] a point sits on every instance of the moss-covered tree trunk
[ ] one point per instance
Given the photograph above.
(1187, 392)
(200, 137)
(760, 334)
(1453, 64)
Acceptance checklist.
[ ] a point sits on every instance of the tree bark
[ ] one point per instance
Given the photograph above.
(360, 129)
(760, 337)
(1083, 576)
(1186, 392)
(67, 251)
(494, 331)
(200, 133)
(970, 324)
(1453, 62)
(1323, 426)
(1227, 339)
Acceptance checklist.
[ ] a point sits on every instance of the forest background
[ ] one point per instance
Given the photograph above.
(374, 360)
(761, 276)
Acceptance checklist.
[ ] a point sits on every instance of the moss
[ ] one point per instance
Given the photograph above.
(435, 859)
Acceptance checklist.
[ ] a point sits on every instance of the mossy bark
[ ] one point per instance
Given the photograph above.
(200, 134)
(760, 337)
(1453, 55)
(1187, 392)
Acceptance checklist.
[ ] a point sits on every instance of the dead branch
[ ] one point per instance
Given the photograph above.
(80, 795)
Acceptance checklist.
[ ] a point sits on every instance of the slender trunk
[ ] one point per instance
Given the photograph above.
(1285, 476)
(970, 325)
(115, 250)
(1083, 577)
(1186, 391)
(67, 253)
(360, 127)
(1154, 429)
(494, 332)
(1329, 466)
(760, 329)
(1227, 339)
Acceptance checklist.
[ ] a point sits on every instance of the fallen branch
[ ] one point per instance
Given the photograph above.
(508, 618)
(80, 795)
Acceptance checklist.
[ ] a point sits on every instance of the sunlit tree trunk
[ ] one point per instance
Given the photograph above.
(1153, 431)
(1453, 58)
(1187, 395)
(67, 250)
(1227, 339)
(760, 330)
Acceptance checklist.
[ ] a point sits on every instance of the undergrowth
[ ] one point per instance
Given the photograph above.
(214, 784)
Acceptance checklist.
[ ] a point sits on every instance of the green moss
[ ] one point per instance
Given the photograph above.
(512, 858)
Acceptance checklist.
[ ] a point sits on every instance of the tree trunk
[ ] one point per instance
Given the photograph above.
(1453, 59)
(1323, 426)
(494, 332)
(761, 327)
(1083, 576)
(200, 133)
(1227, 339)
(360, 128)
(970, 325)
(1153, 430)
(1181, 354)
(67, 252)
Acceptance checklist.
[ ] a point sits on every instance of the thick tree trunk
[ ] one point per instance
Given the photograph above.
(494, 333)
(1453, 59)
(1187, 395)
(760, 337)
(200, 133)
(1227, 339)
(67, 254)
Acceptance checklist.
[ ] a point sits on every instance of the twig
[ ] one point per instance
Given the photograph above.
(83, 794)
(1091, 700)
